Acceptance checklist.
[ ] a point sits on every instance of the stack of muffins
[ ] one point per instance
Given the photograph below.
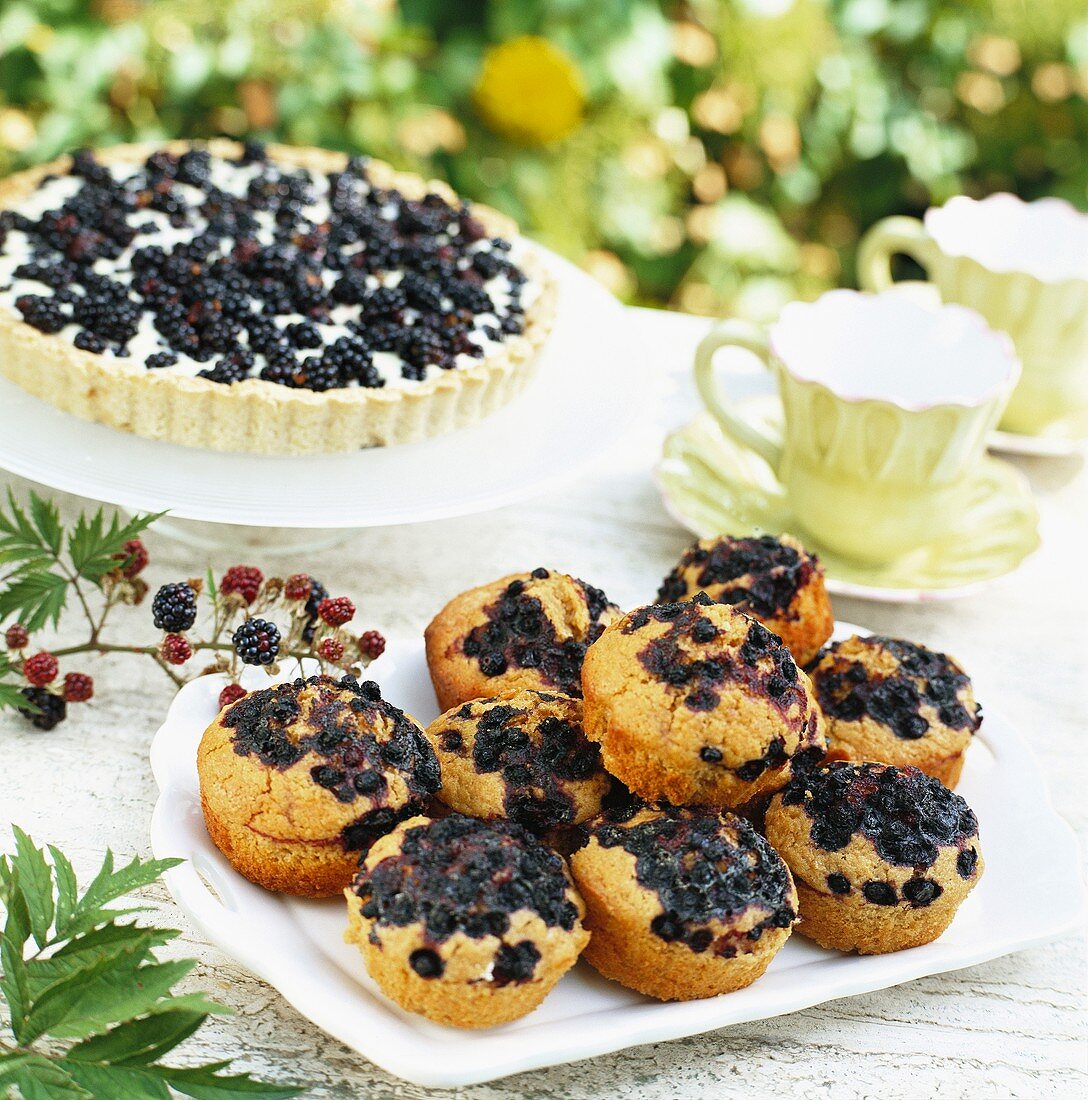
(668, 792)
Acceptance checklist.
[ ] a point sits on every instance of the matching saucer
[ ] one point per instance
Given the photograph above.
(713, 486)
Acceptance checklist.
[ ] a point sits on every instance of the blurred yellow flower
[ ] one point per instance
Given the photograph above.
(530, 91)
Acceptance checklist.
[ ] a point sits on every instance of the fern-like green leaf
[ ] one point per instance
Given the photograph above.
(36, 598)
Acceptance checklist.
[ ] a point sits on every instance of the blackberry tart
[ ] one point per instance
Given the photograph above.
(698, 704)
(522, 756)
(898, 703)
(264, 299)
(683, 903)
(469, 923)
(775, 580)
(297, 780)
(882, 856)
(527, 630)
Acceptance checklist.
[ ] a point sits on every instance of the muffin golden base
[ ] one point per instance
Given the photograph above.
(302, 868)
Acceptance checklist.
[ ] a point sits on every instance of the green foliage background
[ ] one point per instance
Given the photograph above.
(729, 155)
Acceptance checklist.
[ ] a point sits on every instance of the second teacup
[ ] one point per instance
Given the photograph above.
(1024, 267)
(887, 404)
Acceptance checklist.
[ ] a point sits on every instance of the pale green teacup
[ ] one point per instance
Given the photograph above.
(1024, 267)
(887, 404)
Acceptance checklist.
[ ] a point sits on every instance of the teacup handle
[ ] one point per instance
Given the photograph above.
(889, 238)
(734, 334)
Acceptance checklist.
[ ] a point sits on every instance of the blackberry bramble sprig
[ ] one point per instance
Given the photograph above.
(96, 566)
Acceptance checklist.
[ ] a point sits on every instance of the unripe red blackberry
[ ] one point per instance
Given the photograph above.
(231, 694)
(41, 669)
(336, 611)
(330, 649)
(245, 580)
(133, 558)
(175, 650)
(298, 586)
(372, 644)
(78, 687)
(16, 636)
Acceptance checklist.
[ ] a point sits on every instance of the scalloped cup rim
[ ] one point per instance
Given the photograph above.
(938, 221)
(1000, 342)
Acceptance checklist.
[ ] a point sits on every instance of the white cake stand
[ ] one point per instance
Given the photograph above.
(581, 403)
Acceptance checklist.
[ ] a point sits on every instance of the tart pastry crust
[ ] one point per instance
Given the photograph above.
(254, 415)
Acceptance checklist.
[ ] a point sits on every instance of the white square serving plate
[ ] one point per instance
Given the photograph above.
(297, 947)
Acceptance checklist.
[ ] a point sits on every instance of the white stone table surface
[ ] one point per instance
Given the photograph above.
(1011, 1027)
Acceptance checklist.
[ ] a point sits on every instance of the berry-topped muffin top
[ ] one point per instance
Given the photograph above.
(468, 922)
(896, 702)
(696, 702)
(905, 814)
(527, 630)
(230, 267)
(772, 579)
(718, 885)
(882, 856)
(358, 763)
(523, 755)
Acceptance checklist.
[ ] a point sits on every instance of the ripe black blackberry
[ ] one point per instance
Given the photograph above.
(44, 314)
(421, 293)
(86, 340)
(318, 592)
(174, 607)
(304, 334)
(51, 709)
(55, 275)
(383, 303)
(233, 367)
(351, 288)
(257, 642)
(351, 358)
(160, 359)
(110, 317)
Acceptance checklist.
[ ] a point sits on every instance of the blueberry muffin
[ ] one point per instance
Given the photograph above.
(683, 903)
(774, 580)
(696, 703)
(528, 630)
(897, 703)
(268, 299)
(298, 779)
(882, 856)
(469, 923)
(523, 756)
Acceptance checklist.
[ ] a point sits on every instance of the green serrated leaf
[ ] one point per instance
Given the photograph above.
(94, 999)
(11, 696)
(46, 519)
(14, 983)
(130, 1082)
(38, 1078)
(109, 884)
(89, 950)
(139, 1042)
(37, 598)
(67, 888)
(205, 1083)
(95, 548)
(36, 880)
(20, 542)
